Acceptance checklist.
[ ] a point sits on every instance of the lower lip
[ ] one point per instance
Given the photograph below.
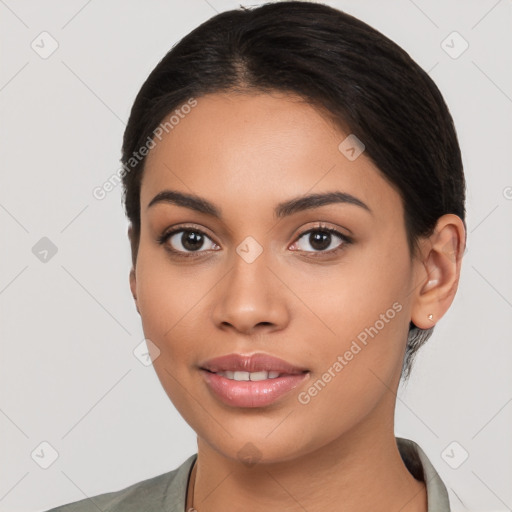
(251, 393)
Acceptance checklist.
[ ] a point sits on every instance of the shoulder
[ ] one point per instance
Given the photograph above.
(149, 495)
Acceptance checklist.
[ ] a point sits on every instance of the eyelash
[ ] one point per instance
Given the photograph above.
(346, 240)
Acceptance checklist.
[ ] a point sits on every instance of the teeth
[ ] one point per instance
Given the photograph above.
(263, 375)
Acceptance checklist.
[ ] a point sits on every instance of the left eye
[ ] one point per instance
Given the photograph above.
(321, 239)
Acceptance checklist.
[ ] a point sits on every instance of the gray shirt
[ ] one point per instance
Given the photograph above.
(167, 492)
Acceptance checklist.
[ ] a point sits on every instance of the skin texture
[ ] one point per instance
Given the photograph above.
(245, 153)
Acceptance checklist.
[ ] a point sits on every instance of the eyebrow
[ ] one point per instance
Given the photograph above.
(284, 209)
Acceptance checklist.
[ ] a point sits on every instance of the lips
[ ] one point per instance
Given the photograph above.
(253, 363)
(251, 381)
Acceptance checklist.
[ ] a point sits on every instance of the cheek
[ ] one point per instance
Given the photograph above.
(168, 307)
(362, 321)
(168, 300)
(356, 368)
(367, 289)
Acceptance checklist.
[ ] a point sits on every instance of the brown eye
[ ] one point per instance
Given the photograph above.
(187, 240)
(322, 239)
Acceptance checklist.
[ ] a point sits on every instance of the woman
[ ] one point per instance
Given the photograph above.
(295, 193)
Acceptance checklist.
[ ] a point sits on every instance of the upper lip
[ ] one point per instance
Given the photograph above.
(250, 363)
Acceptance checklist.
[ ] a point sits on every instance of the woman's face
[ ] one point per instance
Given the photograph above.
(254, 279)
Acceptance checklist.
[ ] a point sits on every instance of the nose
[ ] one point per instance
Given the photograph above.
(251, 299)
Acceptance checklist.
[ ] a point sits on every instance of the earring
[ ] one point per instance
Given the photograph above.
(431, 316)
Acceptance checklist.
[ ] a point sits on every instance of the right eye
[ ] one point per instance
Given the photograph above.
(185, 241)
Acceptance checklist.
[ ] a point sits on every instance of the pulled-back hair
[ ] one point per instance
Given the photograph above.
(365, 83)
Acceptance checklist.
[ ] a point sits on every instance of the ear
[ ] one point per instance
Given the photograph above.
(133, 288)
(133, 278)
(437, 271)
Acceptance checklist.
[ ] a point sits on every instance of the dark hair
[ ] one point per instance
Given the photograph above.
(365, 83)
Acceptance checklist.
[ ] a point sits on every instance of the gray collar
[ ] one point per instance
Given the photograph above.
(421, 468)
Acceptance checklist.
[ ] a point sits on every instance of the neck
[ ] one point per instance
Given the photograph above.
(362, 470)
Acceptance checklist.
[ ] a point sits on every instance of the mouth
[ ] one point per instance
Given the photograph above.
(251, 381)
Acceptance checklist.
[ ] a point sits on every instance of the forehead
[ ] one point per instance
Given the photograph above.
(254, 150)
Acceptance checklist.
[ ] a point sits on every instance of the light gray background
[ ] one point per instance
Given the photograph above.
(69, 326)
